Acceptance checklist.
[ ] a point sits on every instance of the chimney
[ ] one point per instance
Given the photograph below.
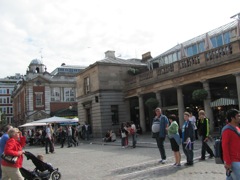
(110, 54)
(146, 56)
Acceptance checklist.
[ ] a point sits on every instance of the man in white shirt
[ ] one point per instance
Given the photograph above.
(134, 134)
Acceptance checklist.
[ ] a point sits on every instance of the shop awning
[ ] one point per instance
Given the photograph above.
(224, 102)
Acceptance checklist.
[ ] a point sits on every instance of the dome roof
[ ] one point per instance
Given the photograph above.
(36, 61)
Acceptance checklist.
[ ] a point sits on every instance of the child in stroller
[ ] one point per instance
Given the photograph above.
(43, 171)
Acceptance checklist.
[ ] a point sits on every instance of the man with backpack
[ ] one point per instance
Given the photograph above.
(231, 145)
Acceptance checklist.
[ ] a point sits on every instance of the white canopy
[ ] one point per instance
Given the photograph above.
(33, 124)
(224, 102)
(56, 119)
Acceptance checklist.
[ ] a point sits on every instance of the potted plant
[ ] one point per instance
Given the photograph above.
(199, 94)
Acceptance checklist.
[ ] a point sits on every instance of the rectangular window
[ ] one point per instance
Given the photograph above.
(189, 51)
(55, 94)
(201, 47)
(174, 57)
(86, 85)
(114, 111)
(194, 49)
(219, 40)
(226, 37)
(39, 99)
(214, 42)
(69, 94)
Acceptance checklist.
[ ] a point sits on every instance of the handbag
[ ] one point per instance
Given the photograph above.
(123, 134)
(9, 158)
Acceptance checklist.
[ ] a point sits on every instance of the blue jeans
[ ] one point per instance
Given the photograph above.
(134, 139)
(235, 171)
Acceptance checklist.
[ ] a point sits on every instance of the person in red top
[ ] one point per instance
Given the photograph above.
(13, 147)
(231, 145)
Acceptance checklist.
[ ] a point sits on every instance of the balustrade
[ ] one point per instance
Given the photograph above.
(188, 62)
(218, 52)
(165, 69)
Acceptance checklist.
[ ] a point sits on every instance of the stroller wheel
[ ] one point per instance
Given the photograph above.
(56, 175)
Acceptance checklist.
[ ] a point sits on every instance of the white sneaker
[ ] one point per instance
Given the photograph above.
(123, 147)
(163, 161)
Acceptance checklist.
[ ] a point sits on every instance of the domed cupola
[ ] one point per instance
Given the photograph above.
(36, 66)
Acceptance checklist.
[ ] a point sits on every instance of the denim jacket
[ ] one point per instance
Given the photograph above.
(163, 124)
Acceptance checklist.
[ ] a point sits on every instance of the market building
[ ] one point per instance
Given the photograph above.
(40, 94)
(209, 62)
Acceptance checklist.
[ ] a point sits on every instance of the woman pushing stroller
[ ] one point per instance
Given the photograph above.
(13, 147)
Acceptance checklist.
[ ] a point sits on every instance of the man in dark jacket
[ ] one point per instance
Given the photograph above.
(203, 130)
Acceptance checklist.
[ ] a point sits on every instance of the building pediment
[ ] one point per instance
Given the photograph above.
(39, 80)
(37, 115)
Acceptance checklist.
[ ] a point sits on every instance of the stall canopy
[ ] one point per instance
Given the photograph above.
(56, 119)
(33, 124)
(224, 102)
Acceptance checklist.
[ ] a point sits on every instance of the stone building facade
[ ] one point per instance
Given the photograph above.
(100, 93)
(40, 94)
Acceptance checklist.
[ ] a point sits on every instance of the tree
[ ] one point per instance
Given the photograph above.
(152, 104)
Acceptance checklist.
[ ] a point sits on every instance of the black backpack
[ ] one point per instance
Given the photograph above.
(218, 145)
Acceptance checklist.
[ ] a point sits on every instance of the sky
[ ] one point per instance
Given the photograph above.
(79, 32)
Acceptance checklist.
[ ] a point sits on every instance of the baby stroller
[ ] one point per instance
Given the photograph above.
(43, 171)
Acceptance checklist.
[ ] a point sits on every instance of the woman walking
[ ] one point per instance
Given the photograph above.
(13, 147)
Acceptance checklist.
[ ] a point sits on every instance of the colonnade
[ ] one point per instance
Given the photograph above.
(180, 103)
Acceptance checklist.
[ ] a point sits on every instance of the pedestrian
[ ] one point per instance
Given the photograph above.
(203, 130)
(123, 134)
(159, 125)
(231, 145)
(48, 139)
(3, 141)
(193, 120)
(133, 132)
(174, 139)
(62, 136)
(188, 139)
(14, 147)
(86, 130)
(74, 135)
(69, 135)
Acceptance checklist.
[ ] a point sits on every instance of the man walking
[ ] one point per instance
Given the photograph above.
(231, 145)
(48, 139)
(159, 125)
(203, 129)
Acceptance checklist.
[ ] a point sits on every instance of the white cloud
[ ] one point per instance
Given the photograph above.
(79, 32)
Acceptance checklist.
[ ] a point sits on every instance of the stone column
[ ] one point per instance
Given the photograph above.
(127, 110)
(159, 98)
(180, 106)
(238, 88)
(207, 107)
(141, 113)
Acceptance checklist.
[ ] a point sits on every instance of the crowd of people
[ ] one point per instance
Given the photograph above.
(13, 140)
(192, 129)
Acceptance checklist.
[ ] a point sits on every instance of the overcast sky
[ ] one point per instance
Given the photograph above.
(77, 32)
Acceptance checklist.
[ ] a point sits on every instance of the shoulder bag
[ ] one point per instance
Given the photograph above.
(9, 159)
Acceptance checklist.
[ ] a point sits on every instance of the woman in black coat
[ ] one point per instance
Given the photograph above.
(188, 139)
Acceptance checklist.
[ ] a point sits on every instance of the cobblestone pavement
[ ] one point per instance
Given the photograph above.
(97, 160)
